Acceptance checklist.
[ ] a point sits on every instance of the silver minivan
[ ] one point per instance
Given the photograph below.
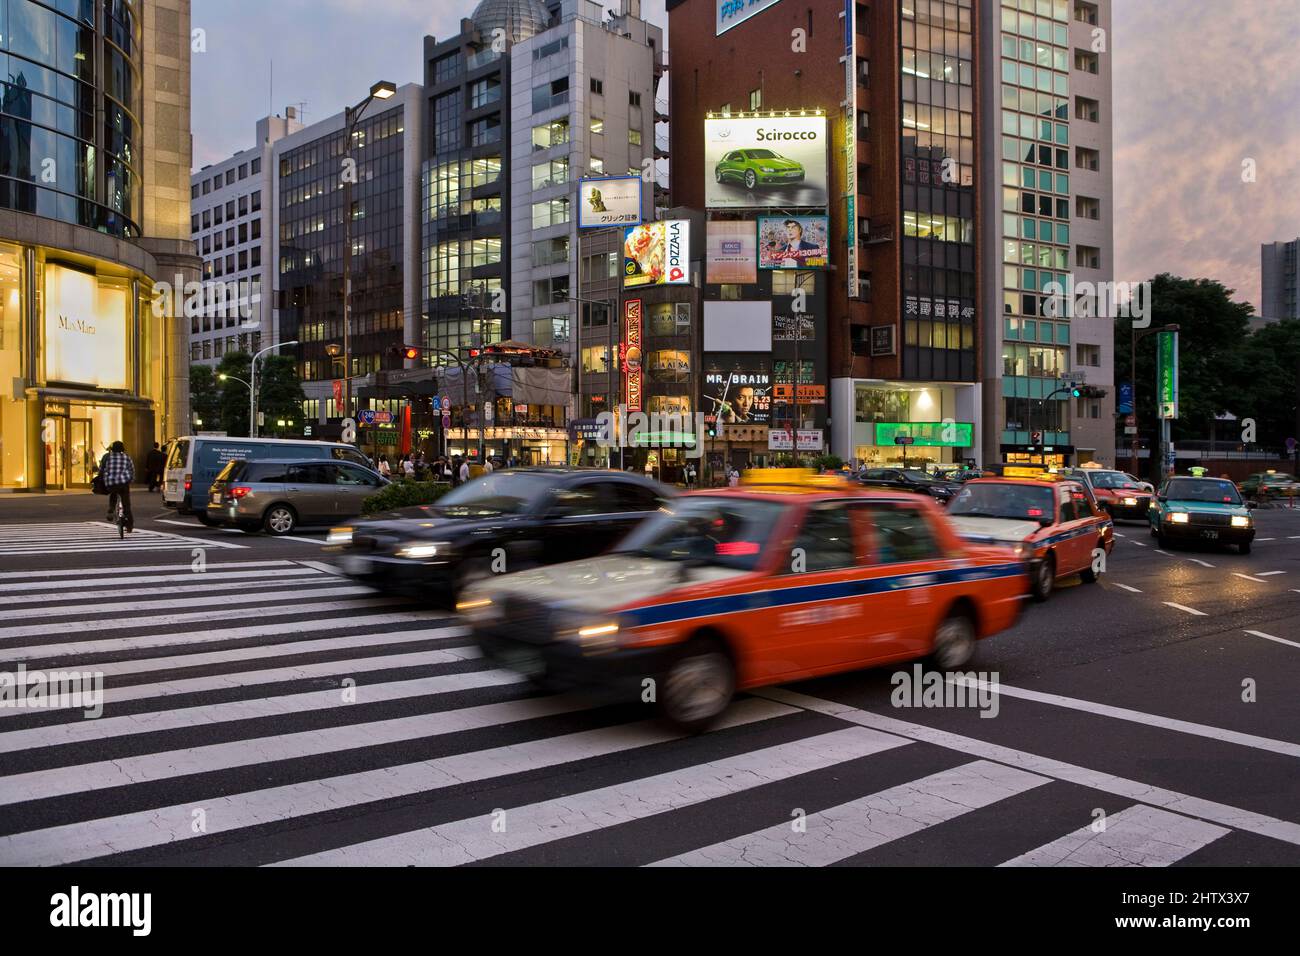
(279, 494)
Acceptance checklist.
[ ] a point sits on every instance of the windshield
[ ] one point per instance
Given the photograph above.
(1209, 490)
(1112, 479)
(730, 532)
(916, 475)
(496, 493)
(761, 154)
(1021, 502)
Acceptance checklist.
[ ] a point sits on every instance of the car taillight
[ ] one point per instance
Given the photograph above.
(189, 480)
(240, 491)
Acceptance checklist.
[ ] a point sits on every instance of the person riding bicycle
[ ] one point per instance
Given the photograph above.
(118, 471)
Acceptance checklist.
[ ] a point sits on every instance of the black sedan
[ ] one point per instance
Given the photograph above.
(501, 522)
(908, 479)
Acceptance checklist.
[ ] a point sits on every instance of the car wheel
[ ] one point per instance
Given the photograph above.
(698, 686)
(1088, 575)
(1044, 578)
(717, 174)
(954, 642)
(279, 519)
(750, 179)
(1244, 547)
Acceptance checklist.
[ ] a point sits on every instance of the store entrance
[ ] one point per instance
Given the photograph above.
(81, 453)
(55, 437)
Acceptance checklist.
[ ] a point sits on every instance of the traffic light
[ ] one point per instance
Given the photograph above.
(1087, 391)
(410, 352)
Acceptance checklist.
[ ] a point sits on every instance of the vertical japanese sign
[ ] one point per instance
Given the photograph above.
(1167, 373)
(851, 143)
(631, 350)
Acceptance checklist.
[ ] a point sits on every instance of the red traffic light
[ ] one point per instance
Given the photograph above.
(411, 352)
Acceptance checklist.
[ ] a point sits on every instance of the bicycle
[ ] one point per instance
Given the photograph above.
(120, 519)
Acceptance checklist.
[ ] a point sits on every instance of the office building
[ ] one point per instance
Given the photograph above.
(1279, 266)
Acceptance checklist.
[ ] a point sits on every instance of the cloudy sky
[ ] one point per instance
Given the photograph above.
(1202, 87)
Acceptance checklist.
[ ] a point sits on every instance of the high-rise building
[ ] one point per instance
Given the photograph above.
(229, 222)
(836, 147)
(94, 218)
(305, 193)
(530, 97)
(1049, 263)
(1279, 268)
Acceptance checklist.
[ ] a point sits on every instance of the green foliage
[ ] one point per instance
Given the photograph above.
(205, 397)
(279, 393)
(405, 493)
(827, 462)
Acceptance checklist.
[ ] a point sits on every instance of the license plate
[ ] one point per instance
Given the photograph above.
(355, 564)
(171, 486)
(1209, 534)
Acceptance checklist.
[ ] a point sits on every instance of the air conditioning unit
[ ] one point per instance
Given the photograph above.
(864, 70)
(864, 121)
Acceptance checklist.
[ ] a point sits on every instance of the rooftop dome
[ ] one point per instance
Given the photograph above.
(520, 19)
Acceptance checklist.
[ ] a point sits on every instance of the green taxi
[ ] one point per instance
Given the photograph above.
(1206, 510)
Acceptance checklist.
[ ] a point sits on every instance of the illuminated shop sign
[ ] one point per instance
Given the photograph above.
(85, 328)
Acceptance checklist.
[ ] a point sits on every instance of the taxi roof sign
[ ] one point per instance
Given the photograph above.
(806, 478)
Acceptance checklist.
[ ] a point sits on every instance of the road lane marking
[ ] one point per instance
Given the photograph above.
(1165, 553)
(1237, 738)
(1126, 587)
(1138, 543)
(1269, 574)
(1270, 637)
(1204, 564)
(467, 840)
(1135, 790)
(49, 590)
(1248, 577)
(1138, 836)
(1184, 607)
(1265, 539)
(851, 828)
(87, 839)
(137, 569)
(331, 589)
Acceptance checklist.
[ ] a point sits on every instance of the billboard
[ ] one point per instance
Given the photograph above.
(731, 251)
(737, 389)
(793, 242)
(738, 326)
(85, 328)
(927, 434)
(613, 201)
(1167, 374)
(657, 253)
(630, 354)
(754, 162)
(732, 13)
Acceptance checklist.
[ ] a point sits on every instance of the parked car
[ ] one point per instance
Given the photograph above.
(755, 166)
(502, 521)
(908, 479)
(1205, 510)
(194, 461)
(704, 599)
(279, 494)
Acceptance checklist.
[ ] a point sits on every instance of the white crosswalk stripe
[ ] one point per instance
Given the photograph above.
(83, 537)
(356, 729)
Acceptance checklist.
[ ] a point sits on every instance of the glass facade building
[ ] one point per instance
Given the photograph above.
(70, 112)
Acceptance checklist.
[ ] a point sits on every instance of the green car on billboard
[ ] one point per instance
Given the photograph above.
(757, 166)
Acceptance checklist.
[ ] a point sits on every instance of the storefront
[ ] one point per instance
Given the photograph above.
(82, 362)
(897, 424)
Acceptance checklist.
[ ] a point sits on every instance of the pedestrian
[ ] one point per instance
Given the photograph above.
(384, 468)
(118, 471)
(154, 463)
(733, 479)
(463, 473)
(408, 467)
(690, 476)
(487, 466)
(455, 471)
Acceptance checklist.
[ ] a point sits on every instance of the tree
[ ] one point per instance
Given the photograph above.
(234, 394)
(1212, 358)
(279, 392)
(205, 397)
(1268, 384)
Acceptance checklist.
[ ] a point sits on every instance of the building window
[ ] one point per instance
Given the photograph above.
(596, 165)
(1085, 158)
(485, 130)
(256, 166)
(634, 99)
(597, 86)
(1085, 12)
(243, 205)
(550, 49)
(554, 133)
(551, 291)
(634, 137)
(550, 212)
(597, 125)
(1087, 109)
(484, 91)
(552, 173)
(1085, 61)
(555, 93)
(756, 99)
(1087, 257)
(550, 252)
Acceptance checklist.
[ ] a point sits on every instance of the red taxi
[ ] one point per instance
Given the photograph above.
(1054, 524)
(787, 577)
(1120, 495)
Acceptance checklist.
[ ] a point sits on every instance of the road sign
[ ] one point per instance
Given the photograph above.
(437, 404)
(1167, 374)
(904, 440)
(1125, 405)
(446, 420)
(367, 416)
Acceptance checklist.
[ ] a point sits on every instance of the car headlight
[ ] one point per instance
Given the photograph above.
(767, 169)
(425, 550)
(1130, 501)
(1024, 550)
(339, 536)
(479, 609)
(1241, 521)
(1178, 517)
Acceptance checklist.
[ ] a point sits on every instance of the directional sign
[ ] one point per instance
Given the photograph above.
(367, 416)
(904, 440)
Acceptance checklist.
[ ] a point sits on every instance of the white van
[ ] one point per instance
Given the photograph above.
(193, 462)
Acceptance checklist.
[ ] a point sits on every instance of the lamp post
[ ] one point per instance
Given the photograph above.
(1132, 366)
(252, 386)
(382, 90)
(222, 376)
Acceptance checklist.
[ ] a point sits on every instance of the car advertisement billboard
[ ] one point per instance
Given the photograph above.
(793, 242)
(755, 162)
(737, 389)
(732, 13)
(613, 201)
(731, 251)
(657, 253)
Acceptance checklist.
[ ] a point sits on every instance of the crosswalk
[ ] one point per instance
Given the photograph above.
(270, 713)
(87, 537)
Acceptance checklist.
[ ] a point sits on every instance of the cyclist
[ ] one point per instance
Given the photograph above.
(118, 471)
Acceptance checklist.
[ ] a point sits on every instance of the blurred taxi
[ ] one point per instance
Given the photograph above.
(786, 577)
(1053, 523)
(1207, 510)
(1120, 495)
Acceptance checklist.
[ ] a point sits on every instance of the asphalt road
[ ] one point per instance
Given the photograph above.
(273, 713)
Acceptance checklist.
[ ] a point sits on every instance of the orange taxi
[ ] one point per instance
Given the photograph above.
(789, 576)
(1053, 523)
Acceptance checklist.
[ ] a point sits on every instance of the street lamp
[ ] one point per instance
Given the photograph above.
(222, 376)
(382, 90)
(1132, 366)
(252, 386)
